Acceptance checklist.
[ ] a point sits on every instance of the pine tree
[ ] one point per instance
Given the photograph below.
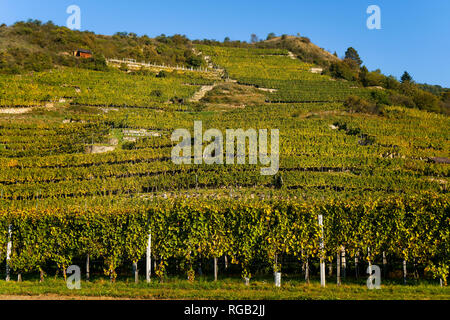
(406, 77)
(352, 54)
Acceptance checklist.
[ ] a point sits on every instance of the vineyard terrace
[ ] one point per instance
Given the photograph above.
(213, 153)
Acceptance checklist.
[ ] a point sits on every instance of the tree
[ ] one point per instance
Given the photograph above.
(341, 70)
(194, 61)
(227, 39)
(121, 34)
(271, 36)
(254, 38)
(352, 55)
(371, 79)
(446, 96)
(391, 83)
(426, 101)
(406, 77)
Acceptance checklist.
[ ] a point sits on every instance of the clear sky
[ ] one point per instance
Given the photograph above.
(415, 35)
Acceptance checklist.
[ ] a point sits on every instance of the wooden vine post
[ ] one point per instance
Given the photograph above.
(148, 272)
(338, 267)
(8, 253)
(344, 264)
(215, 269)
(136, 272)
(404, 271)
(322, 259)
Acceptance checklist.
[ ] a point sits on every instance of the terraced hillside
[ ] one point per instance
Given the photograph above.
(53, 163)
(292, 79)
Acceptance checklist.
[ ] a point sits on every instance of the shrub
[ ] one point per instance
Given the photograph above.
(372, 79)
(97, 63)
(156, 93)
(162, 74)
(124, 67)
(391, 83)
(426, 101)
(398, 99)
(341, 70)
(278, 181)
(305, 40)
(360, 105)
(129, 145)
(194, 61)
(381, 97)
(271, 36)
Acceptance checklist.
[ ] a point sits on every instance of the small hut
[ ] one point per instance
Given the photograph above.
(82, 53)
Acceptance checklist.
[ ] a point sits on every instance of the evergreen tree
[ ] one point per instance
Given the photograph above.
(406, 77)
(352, 54)
(271, 36)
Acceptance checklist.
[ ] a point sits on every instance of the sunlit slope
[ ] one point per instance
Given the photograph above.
(291, 78)
(48, 154)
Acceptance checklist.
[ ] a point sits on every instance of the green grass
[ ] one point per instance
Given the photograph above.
(224, 289)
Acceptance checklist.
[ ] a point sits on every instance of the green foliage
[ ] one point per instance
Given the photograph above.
(87, 87)
(434, 89)
(426, 101)
(406, 77)
(398, 99)
(123, 67)
(271, 36)
(411, 228)
(194, 61)
(371, 79)
(352, 54)
(391, 83)
(381, 97)
(129, 145)
(278, 181)
(162, 74)
(39, 47)
(360, 105)
(342, 70)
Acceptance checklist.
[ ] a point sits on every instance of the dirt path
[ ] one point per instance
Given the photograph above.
(15, 110)
(56, 297)
(25, 109)
(199, 95)
(291, 55)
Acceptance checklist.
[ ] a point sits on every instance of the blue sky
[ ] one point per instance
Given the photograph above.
(415, 35)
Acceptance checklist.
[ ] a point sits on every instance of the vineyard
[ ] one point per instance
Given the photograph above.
(374, 178)
(85, 87)
(291, 79)
(415, 229)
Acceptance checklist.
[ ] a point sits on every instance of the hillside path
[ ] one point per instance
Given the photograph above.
(199, 95)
